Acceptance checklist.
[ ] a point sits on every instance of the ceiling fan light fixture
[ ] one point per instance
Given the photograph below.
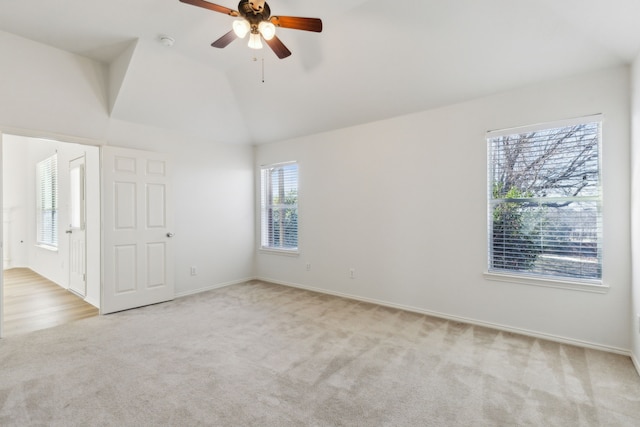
(254, 41)
(254, 17)
(241, 27)
(267, 29)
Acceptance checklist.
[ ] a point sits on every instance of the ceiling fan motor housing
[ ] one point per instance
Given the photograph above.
(254, 11)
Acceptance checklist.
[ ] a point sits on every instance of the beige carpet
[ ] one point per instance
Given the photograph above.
(265, 355)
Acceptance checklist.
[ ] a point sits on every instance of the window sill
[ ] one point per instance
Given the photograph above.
(593, 287)
(285, 252)
(47, 247)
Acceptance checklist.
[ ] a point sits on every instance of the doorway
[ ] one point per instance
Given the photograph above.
(32, 303)
(26, 215)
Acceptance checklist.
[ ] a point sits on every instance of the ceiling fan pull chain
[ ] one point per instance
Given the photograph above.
(262, 70)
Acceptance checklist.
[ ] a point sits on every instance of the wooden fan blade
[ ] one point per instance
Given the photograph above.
(224, 41)
(211, 6)
(306, 24)
(278, 47)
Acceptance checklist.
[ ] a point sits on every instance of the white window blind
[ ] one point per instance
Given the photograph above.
(279, 207)
(545, 202)
(47, 201)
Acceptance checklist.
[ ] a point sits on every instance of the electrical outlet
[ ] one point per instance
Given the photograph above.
(352, 273)
(308, 266)
(194, 271)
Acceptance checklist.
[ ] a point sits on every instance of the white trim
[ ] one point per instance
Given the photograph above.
(52, 136)
(93, 302)
(2, 248)
(46, 247)
(275, 251)
(212, 287)
(522, 277)
(543, 126)
(595, 287)
(636, 363)
(496, 326)
(261, 204)
(279, 164)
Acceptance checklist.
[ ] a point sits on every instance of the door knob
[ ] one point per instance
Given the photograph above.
(169, 234)
(69, 231)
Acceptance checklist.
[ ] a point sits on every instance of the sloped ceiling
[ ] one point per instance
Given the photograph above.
(375, 59)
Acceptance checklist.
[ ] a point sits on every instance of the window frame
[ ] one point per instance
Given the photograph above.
(47, 237)
(596, 285)
(264, 232)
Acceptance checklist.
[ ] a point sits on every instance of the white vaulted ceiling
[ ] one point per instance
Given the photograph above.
(375, 59)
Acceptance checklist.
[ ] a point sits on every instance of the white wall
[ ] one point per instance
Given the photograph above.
(403, 201)
(46, 92)
(20, 156)
(50, 91)
(213, 188)
(14, 161)
(635, 212)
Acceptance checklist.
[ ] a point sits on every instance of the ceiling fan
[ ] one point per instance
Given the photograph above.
(256, 20)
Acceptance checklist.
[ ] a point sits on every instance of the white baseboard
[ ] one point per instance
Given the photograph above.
(636, 362)
(212, 287)
(92, 302)
(496, 326)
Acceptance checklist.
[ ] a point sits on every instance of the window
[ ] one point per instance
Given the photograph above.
(47, 202)
(279, 207)
(545, 201)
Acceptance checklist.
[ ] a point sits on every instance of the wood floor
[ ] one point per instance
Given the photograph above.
(32, 302)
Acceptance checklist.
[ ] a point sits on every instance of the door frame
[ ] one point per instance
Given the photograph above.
(26, 133)
(1, 236)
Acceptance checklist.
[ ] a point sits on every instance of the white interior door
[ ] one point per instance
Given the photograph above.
(137, 229)
(77, 228)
